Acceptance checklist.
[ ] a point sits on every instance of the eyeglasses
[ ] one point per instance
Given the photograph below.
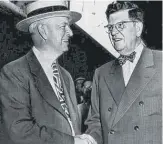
(119, 26)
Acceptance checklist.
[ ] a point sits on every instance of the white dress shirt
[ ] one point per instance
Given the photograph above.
(46, 61)
(129, 67)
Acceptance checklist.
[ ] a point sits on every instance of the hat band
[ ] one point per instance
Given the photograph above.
(46, 10)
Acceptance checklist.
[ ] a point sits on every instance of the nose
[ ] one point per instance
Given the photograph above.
(69, 31)
(114, 31)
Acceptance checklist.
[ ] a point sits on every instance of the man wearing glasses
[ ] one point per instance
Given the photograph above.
(126, 92)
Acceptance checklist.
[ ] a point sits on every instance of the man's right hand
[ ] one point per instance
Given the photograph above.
(78, 140)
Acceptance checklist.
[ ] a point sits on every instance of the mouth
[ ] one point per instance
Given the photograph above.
(66, 41)
(117, 39)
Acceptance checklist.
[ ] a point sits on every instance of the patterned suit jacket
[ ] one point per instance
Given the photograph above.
(131, 114)
(31, 111)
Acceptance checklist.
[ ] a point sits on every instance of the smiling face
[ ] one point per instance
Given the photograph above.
(59, 33)
(123, 41)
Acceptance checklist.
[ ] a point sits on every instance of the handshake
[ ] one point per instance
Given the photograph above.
(84, 139)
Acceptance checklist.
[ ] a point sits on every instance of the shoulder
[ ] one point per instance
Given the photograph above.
(157, 55)
(15, 73)
(105, 68)
(18, 63)
(16, 68)
(157, 58)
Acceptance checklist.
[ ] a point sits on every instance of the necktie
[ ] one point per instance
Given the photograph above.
(59, 90)
(123, 58)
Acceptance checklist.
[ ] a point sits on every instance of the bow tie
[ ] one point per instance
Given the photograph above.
(123, 58)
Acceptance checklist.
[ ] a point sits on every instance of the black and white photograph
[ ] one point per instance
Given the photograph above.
(81, 72)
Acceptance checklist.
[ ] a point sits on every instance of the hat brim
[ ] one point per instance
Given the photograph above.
(80, 79)
(24, 24)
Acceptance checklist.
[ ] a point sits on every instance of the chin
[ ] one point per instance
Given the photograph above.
(119, 49)
(65, 49)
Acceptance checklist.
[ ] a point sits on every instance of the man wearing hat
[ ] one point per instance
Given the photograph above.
(126, 96)
(37, 94)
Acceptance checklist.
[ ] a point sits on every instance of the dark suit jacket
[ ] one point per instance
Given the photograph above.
(31, 111)
(130, 115)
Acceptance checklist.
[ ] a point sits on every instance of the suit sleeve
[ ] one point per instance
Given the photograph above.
(93, 120)
(19, 122)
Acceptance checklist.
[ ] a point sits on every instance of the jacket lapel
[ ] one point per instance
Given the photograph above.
(69, 92)
(115, 82)
(142, 74)
(42, 83)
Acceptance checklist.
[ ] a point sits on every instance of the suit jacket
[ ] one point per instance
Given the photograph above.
(31, 111)
(131, 114)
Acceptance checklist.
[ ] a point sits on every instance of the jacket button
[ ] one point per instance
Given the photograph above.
(136, 128)
(112, 132)
(109, 109)
(141, 103)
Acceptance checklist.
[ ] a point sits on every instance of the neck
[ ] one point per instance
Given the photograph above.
(138, 42)
(48, 53)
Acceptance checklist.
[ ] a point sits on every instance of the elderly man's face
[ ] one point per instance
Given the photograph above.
(123, 35)
(59, 33)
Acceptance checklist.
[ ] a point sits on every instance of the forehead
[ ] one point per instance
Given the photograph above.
(118, 16)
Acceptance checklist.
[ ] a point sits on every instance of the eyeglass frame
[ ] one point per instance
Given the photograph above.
(123, 22)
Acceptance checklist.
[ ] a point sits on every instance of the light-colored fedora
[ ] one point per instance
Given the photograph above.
(42, 9)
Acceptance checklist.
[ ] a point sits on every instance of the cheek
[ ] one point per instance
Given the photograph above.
(61, 36)
(57, 37)
(129, 36)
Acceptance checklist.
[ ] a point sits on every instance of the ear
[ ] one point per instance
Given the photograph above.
(139, 28)
(42, 29)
